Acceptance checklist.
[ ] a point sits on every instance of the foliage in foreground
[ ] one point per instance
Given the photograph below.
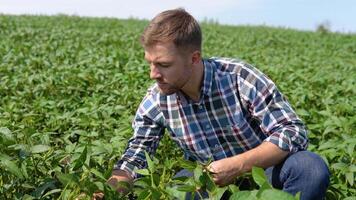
(69, 87)
(155, 185)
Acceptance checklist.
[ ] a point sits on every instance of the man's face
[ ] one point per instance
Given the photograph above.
(169, 67)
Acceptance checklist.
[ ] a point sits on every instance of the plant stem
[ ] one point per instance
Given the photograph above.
(201, 197)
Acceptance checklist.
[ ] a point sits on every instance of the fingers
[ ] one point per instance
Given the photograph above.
(98, 196)
(211, 169)
(213, 172)
(215, 179)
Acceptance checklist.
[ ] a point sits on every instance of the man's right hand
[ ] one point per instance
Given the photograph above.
(120, 180)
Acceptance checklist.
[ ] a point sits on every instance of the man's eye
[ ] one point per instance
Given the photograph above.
(164, 65)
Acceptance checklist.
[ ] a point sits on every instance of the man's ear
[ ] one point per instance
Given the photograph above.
(196, 57)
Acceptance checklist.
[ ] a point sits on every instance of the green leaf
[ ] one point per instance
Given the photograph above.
(28, 197)
(175, 193)
(28, 186)
(66, 179)
(51, 192)
(81, 160)
(143, 182)
(186, 188)
(99, 185)
(233, 188)
(297, 196)
(302, 112)
(264, 187)
(208, 182)
(143, 195)
(6, 134)
(151, 165)
(156, 178)
(218, 193)
(350, 198)
(352, 168)
(97, 150)
(187, 164)
(65, 194)
(40, 148)
(350, 178)
(24, 169)
(259, 176)
(98, 174)
(350, 149)
(243, 195)
(10, 166)
(327, 145)
(155, 194)
(273, 194)
(142, 172)
(40, 190)
(340, 166)
(198, 172)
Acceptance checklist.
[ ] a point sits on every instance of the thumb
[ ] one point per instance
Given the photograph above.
(212, 168)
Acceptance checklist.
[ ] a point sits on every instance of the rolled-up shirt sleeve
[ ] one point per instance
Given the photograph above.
(148, 130)
(264, 101)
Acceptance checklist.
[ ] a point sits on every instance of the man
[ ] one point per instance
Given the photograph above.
(222, 109)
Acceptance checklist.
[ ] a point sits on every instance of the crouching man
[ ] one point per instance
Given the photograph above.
(218, 108)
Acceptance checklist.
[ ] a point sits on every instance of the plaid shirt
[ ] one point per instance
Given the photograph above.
(239, 108)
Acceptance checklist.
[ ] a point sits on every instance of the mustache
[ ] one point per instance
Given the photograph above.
(160, 82)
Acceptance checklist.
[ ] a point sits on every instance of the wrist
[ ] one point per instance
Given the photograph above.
(237, 165)
(242, 166)
(120, 180)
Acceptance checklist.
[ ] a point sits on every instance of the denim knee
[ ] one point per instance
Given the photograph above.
(305, 172)
(309, 163)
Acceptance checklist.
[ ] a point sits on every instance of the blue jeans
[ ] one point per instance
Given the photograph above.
(302, 171)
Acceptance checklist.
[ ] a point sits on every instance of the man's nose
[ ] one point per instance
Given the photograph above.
(154, 74)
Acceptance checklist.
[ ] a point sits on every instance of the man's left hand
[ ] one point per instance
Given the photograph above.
(226, 170)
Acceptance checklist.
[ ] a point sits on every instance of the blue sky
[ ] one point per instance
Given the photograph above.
(297, 14)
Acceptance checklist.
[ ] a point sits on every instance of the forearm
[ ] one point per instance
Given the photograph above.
(265, 155)
(120, 176)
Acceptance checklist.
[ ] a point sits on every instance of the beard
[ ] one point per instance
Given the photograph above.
(171, 88)
(167, 89)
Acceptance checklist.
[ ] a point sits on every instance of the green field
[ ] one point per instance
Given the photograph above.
(69, 87)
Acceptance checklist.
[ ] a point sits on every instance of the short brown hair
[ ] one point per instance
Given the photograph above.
(175, 25)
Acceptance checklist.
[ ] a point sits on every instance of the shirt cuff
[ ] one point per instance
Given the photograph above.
(282, 141)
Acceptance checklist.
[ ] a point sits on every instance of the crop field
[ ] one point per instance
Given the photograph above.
(70, 86)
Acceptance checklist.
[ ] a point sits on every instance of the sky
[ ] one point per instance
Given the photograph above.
(338, 15)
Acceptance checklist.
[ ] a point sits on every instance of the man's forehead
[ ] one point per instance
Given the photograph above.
(158, 52)
(161, 46)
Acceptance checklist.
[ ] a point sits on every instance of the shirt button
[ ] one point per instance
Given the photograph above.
(207, 126)
(200, 107)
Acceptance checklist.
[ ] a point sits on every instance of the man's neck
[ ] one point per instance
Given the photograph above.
(193, 88)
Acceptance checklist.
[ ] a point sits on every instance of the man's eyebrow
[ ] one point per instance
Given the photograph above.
(146, 55)
(158, 61)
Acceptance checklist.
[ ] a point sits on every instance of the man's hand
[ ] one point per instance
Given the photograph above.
(98, 196)
(120, 180)
(226, 170)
